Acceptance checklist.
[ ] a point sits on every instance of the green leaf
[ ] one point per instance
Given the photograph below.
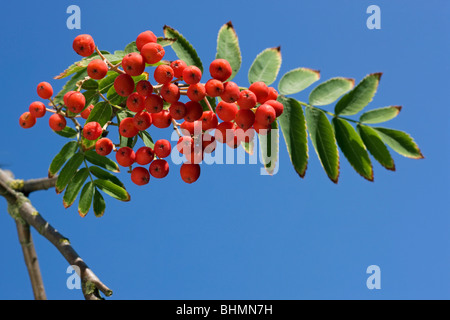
(353, 148)
(400, 142)
(147, 139)
(91, 97)
(297, 80)
(67, 132)
(330, 90)
(324, 142)
(106, 83)
(113, 97)
(164, 42)
(90, 84)
(74, 187)
(87, 145)
(354, 101)
(130, 48)
(293, 125)
(86, 199)
(183, 49)
(70, 86)
(101, 113)
(112, 190)
(212, 102)
(269, 145)
(105, 175)
(67, 151)
(380, 115)
(228, 48)
(99, 204)
(68, 171)
(249, 147)
(266, 66)
(376, 146)
(101, 161)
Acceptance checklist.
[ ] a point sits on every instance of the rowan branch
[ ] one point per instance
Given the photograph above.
(31, 260)
(26, 213)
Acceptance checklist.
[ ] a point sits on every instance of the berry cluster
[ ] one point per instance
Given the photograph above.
(242, 111)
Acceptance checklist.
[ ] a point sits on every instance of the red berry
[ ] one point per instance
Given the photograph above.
(195, 157)
(261, 90)
(57, 122)
(192, 75)
(67, 95)
(162, 119)
(247, 99)
(144, 88)
(152, 52)
(154, 103)
(140, 176)
(125, 156)
(188, 128)
(273, 95)
(86, 112)
(27, 120)
(194, 111)
(177, 110)
(220, 69)
(135, 102)
(196, 92)
(76, 102)
(261, 128)
(214, 88)
(226, 111)
(245, 135)
(133, 64)
(185, 145)
(124, 85)
(142, 120)
(97, 69)
(163, 74)
(278, 106)
(145, 155)
(92, 130)
(170, 92)
(37, 109)
(178, 67)
(224, 132)
(84, 45)
(245, 119)
(265, 114)
(209, 120)
(159, 168)
(162, 148)
(231, 92)
(127, 128)
(235, 141)
(44, 90)
(190, 172)
(104, 146)
(144, 38)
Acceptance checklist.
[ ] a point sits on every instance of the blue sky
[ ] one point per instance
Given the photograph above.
(236, 234)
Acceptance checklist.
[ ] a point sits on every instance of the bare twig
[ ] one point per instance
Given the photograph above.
(31, 260)
(32, 185)
(91, 284)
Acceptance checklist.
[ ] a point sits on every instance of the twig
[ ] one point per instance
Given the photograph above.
(31, 260)
(175, 126)
(91, 284)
